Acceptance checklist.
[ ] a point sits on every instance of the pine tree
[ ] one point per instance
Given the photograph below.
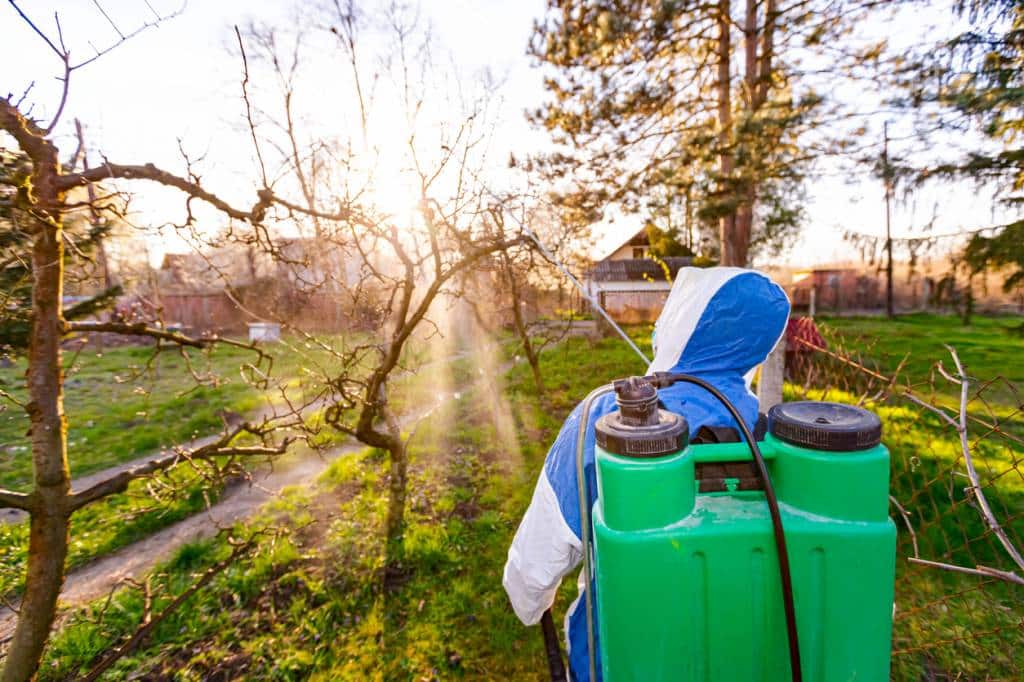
(975, 84)
(705, 96)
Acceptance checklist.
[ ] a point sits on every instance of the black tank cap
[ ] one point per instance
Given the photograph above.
(825, 426)
(639, 428)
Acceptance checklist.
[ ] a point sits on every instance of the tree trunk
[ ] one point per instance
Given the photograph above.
(746, 190)
(47, 551)
(538, 379)
(727, 224)
(690, 246)
(394, 542)
(48, 539)
(772, 378)
(398, 473)
(968, 308)
(887, 178)
(521, 328)
(756, 78)
(743, 228)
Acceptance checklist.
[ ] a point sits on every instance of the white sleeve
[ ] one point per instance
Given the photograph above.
(542, 552)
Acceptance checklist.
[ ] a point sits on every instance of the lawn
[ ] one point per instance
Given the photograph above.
(126, 402)
(989, 347)
(119, 405)
(310, 604)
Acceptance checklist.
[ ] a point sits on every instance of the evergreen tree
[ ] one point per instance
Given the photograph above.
(975, 84)
(15, 257)
(705, 96)
(972, 88)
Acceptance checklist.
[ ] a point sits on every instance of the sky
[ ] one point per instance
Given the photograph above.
(179, 84)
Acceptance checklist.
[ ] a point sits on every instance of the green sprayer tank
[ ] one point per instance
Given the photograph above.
(687, 574)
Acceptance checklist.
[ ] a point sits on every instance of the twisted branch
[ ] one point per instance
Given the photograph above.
(118, 483)
(972, 472)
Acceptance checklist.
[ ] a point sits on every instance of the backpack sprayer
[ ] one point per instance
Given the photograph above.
(684, 552)
(687, 539)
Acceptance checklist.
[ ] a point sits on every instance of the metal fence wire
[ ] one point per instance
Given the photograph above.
(957, 497)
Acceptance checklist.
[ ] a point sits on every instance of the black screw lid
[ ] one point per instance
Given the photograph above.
(825, 426)
(639, 428)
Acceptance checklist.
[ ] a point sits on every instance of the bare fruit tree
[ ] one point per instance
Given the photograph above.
(403, 263)
(47, 194)
(342, 256)
(513, 297)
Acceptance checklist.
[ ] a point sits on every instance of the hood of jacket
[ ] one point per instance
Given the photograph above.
(719, 320)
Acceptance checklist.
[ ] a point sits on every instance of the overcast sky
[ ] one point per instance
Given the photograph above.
(181, 80)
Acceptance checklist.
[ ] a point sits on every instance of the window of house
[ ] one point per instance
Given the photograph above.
(639, 252)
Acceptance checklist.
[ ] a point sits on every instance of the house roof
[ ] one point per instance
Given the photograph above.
(637, 269)
(638, 239)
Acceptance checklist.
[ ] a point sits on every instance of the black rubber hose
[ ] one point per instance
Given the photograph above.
(663, 379)
(554, 650)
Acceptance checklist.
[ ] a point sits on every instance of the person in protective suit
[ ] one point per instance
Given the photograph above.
(717, 324)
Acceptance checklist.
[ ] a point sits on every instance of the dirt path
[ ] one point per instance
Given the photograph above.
(97, 578)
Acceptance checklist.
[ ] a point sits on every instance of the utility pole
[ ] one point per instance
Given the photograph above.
(887, 176)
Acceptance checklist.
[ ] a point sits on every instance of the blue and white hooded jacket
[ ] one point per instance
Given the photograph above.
(717, 324)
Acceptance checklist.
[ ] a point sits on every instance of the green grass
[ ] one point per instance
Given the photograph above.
(988, 347)
(311, 605)
(318, 611)
(125, 402)
(175, 410)
(118, 408)
(107, 525)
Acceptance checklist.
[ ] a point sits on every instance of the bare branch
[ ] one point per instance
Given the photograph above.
(38, 31)
(976, 486)
(7, 396)
(266, 198)
(139, 329)
(983, 571)
(219, 448)
(150, 172)
(107, 17)
(906, 520)
(248, 107)
(131, 34)
(64, 54)
(150, 623)
(10, 499)
(25, 94)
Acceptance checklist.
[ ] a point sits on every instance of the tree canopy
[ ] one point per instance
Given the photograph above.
(707, 99)
(974, 83)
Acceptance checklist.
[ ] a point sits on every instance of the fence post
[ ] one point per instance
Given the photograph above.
(773, 370)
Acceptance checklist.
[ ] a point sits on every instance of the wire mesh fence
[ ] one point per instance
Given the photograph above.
(957, 497)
